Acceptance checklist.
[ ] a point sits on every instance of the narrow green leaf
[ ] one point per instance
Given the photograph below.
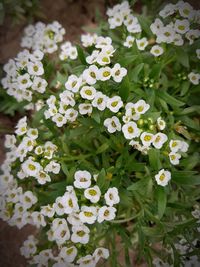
(154, 159)
(136, 71)
(169, 99)
(186, 177)
(124, 89)
(162, 201)
(81, 55)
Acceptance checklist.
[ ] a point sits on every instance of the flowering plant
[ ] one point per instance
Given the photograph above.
(108, 153)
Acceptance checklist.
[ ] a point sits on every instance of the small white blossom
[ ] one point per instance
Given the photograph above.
(163, 177)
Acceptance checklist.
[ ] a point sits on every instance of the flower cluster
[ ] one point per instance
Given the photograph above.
(63, 110)
(178, 28)
(23, 75)
(121, 14)
(36, 160)
(68, 51)
(43, 37)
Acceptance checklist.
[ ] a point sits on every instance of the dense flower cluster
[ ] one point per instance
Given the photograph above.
(43, 37)
(68, 51)
(24, 75)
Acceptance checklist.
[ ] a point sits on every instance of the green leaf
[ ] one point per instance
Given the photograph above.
(169, 99)
(182, 57)
(154, 159)
(162, 201)
(102, 148)
(124, 89)
(186, 177)
(135, 72)
(156, 71)
(81, 55)
(96, 116)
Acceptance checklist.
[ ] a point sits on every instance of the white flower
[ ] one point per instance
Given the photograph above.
(82, 179)
(88, 39)
(101, 41)
(32, 133)
(147, 138)
(166, 34)
(31, 167)
(161, 124)
(194, 77)
(175, 145)
(174, 158)
(112, 124)
(114, 103)
(91, 74)
(29, 247)
(99, 101)
(106, 214)
(39, 150)
(191, 35)
(104, 73)
(24, 81)
(48, 210)
(168, 10)
(198, 53)
(59, 207)
(73, 219)
(38, 219)
(28, 199)
(130, 130)
(103, 59)
(141, 43)
(112, 196)
(156, 50)
(80, 234)
(100, 253)
(59, 119)
(73, 83)
(71, 114)
(184, 146)
(156, 26)
(70, 203)
(87, 261)
(88, 214)
(10, 141)
(118, 73)
(178, 40)
(88, 92)
(159, 140)
(52, 166)
(93, 194)
(42, 177)
(35, 68)
(39, 84)
(129, 41)
(181, 26)
(61, 233)
(93, 57)
(141, 107)
(68, 254)
(163, 177)
(85, 109)
(67, 98)
(185, 9)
